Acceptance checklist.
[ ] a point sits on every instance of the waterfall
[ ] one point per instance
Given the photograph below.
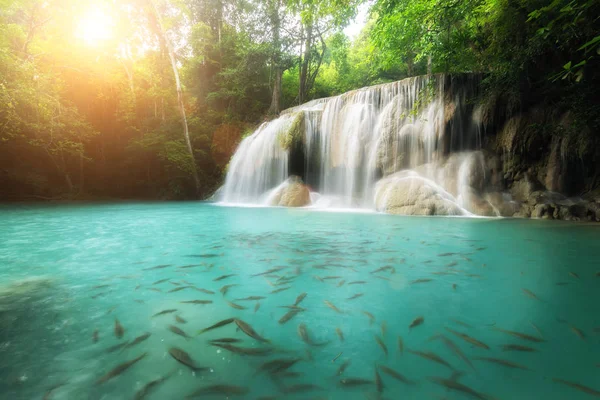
(348, 143)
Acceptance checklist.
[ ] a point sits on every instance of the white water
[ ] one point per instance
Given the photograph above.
(353, 140)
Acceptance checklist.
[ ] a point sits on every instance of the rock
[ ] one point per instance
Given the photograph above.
(523, 189)
(543, 210)
(407, 193)
(291, 193)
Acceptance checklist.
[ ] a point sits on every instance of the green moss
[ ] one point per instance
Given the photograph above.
(294, 133)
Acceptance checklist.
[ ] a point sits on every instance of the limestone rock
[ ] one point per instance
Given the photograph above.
(407, 193)
(291, 193)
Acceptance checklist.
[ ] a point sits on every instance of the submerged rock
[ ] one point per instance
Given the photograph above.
(291, 193)
(407, 193)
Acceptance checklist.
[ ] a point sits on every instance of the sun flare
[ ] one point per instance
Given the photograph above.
(95, 26)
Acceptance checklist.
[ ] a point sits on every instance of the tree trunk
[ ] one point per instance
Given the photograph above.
(429, 65)
(186, 133)
(276, 98)
(303, 89)
(276, 59)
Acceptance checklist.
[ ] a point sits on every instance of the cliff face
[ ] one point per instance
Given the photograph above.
(425, 145)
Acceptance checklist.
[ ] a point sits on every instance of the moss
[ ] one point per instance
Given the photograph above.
(294, 132)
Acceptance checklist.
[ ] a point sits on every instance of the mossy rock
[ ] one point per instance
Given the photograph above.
(294, 133)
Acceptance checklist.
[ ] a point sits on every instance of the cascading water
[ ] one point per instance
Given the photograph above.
(353, 145)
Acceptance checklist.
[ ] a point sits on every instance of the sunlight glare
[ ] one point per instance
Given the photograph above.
(95, 26)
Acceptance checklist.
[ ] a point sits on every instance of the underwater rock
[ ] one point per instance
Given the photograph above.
(291, 193)
(407, 193)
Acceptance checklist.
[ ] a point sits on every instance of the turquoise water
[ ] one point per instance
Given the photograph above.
(67, 271)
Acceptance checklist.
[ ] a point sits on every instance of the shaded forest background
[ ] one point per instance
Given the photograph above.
(156, 109)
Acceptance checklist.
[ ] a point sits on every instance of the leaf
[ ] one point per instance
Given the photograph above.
(590, 43)
(567, 66)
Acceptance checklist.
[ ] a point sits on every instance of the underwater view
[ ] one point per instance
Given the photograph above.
(196, 300)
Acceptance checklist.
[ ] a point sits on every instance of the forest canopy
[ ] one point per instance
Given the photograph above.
(149, 98)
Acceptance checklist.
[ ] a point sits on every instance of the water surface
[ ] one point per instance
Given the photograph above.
(67, 271)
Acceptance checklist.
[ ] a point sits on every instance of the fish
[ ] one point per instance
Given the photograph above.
(225, 288)
(280, 289)
(220, 278)
(343, 367)
(225, 340)
(371, 317)
(453, 384)
(421, 281)
(303, 333)
(161, 281)
(301, 387)
(184, 358)
(468, 338)
(251, 298)
(119, 330)
(356, 296)
(276, 269)
(461, 323)
(432, 357)
(334, 308)
(381, 344)
(380, 269)
(500, 361)
(454, 286)
(100, 286)
(521, 335)
(278, 365)
(178, 331)
(236, 306)
(148, 387)
(456, 350)
(246, 351)
(578, 332)
(51, 390)
(357, 282)
(119, 369)
(299, 299)
(400, 345)
(248, 330)
(340, 334)
(180, 319)
(378, 381)
(204, 290)
(157, 267)
(256, 306)
(164, 312)
(577, 386)
(95, 336)
(137, 287)
(351, 382)
(517, 347)
(537, 329)
(177, 289)
(446, 254)
(155, 290)
(116, 347)
(336, 357)
(530, 294)
(138, 340)
(99, 294)
(396, 375)
(574, 275)
(219, 389)
(217, 325)
(332, 277)
(341, 283)
(416, 322)
(196, 302)
(189, 266)
(208, 255)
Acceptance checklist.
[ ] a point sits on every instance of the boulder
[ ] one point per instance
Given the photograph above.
(523, 189)
(407, 193)
(291, 193)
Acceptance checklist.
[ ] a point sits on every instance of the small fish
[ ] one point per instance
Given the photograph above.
(196, 302)
(204, 290)
(270, 271)
(119, 330)
(357, 283)
(461, 323)
(236, 306)
(119, 369)
(446, 254)
(157, 267)
(381, 344)
(400, 345)
(177, 289)
(521, 335)
(180, 319)
(416, 322)
(574, 275)
(217, 325)
(579, 387)
(178, 331)
(383, 328)
(184, 358)
(148, 387)
(456, 350)
(95, 336)
(340, 334)
(256, 306)
(280, 289)
(356, 296)
(225, 288)
(432, 357)
(225, 340)
(336, 357)
(421, 281)
(517, 347)
(163, 312)
(138, 340)
(155, 290)
(530, 294)
(299, 299)
(469, 339)
(578, 332)
(537, 329)
(220, 278)
(502, 362)
(100, 286)
(51, 390)
(341, 283)
(161, 281)
(300, 387)
(378, 381)
(278, 366)
(117, 347)
(453, 384)
(303, 333)
(332, 277)
(343, 367)
(334, 308)
(251, 298)
(351, 382)
(454, 286)
(248, 330)
(396, 375)
(371, 317)
(246, 351)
